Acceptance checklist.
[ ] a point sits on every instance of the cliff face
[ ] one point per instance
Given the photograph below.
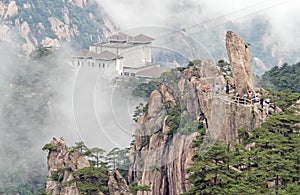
(61, 165)
(240, 60)
(160, 155)
(30, 23)
(224, 113)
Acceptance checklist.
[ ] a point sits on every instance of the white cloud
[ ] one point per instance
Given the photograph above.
(282, 16)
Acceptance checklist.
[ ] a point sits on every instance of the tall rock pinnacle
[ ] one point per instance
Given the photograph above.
(61, 165)
(240, 57)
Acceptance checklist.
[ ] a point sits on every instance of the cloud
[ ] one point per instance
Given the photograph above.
(280, 15)
(33, 109)
(132, 13)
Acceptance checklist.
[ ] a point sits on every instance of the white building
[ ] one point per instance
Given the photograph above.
(123, 54)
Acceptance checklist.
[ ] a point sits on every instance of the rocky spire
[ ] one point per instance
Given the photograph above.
(117, 184)
(61, 165)
(240, 60)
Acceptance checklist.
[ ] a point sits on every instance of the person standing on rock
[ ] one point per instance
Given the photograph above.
(233, 89)
(250, 95)
(217, 88)
(261, 101)
(267, 106)
(227, 88)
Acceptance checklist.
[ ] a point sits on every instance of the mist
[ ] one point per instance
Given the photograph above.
(46, 97)
(34, 107)
(275, 23)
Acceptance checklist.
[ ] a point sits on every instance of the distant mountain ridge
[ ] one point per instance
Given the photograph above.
(31, 23)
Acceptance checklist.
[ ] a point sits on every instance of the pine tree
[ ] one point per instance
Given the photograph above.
(271, 166)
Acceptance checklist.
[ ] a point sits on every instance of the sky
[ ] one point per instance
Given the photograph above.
(196, 15)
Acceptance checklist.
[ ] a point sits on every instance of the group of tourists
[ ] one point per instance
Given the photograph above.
(253, 97)
(265, 104)
(217, 88)
(227, 88)
(250, 96)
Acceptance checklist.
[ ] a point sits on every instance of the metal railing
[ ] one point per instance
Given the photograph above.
(241, 100)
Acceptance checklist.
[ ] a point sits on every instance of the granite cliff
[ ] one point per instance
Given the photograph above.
(162, 150)
(31, 23)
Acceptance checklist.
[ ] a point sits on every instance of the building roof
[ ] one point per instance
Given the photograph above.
(116, 44)
(151, 72)
(81, 53)
(107, 55)
(146, 70)
(122, 40)
(141, 66)
(141, 38)
(120, 37)
(104, 55)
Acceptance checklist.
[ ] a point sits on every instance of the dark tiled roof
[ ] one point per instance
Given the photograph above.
(141, 38)
(151, 72)
(116, 44)
(105, 55)
(81, 53)
(120, 37)
(141, 66)
(122, 40)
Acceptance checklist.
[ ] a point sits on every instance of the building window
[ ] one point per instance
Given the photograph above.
(126, 73)
(103, 65)
(92, 64)
(132, 74)
(99, 65)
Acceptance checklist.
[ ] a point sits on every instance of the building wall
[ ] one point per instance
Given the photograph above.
(119, 66)
(99, 49)
(136, 56)
(110, 68)
(93, 48)
(132, 56)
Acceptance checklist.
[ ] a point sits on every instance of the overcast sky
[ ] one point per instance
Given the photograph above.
(282, 15)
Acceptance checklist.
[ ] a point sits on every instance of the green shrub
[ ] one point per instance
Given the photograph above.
(50, 147)
(181, 69)
(57, 176)
(134, 188)
(91, 180)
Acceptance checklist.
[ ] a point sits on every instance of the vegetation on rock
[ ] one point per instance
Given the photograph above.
(85, 22)
(282, 78)
(134, 188)
(92, 180)
(271, 166)
(50, 147)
